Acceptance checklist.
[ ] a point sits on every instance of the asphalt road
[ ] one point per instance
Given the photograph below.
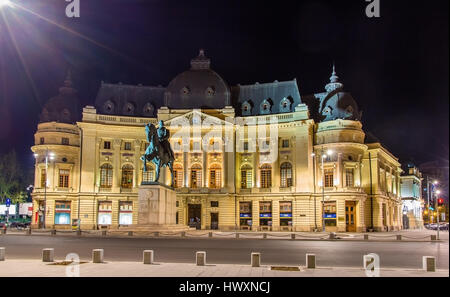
(230, 251)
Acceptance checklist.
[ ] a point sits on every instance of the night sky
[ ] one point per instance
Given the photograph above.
(396, 67)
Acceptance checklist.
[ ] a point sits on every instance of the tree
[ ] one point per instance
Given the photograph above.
(12, 178)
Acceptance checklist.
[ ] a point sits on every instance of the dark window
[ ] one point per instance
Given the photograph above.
(65, 141)
(107, 145)
(246, 146)
(42, 140)
(128, 146)
(285, 143)
(214, 203)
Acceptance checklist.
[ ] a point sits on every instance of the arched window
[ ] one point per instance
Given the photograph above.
(247, 108)
(106, 176)
(196, 176)
(266, 176)
(149, 175)
(148, 109)
(285, 105)
(128, 108)
(178, 176)
(266, 106)
(286, 175)
(109, 107)
(246, 177)
(215, 176)
(127, 177)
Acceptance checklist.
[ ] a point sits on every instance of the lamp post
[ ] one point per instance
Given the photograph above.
(51, 156)
(430, 191)
(329, 153)
(437, 211)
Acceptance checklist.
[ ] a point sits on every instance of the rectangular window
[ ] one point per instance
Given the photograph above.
(196, 178)
(329, 178)
(177, 178)
(214, 203)
(127, 146)
(266, 178)
(43, 178)
(349, 177)
(246, 179)
(125, 212)
(104, 212)
(245, 214)
(107, 145)
(246, 146)
(329, 213)
(41, 140)
(64, 178)
(285, 143)
(62, 212)
(65, 141)
(147, 176)
(285, 213)
(215, 180)
(265, 213)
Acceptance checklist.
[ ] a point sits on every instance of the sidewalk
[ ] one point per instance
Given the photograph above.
(35, 268)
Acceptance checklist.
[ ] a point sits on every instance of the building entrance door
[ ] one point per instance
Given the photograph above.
(214, 221)
(350, 216)
(194, 215)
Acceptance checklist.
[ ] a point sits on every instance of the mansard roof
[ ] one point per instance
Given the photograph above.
(274, 92)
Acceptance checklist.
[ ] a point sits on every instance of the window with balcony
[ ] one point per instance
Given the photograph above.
(127, 177)
(43, 177)
(329, 175)
(266, 176)
(178, 176)
(349, 177)
(215, 177)
(246, 177)
(196, 176)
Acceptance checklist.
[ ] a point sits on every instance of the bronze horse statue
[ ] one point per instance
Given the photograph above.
(158, 151)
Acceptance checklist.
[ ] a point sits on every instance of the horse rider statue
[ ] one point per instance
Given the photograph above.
(158, 151)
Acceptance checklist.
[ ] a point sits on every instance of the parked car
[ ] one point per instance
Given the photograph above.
(443, 226)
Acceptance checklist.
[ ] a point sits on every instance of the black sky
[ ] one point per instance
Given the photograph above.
(396, 67)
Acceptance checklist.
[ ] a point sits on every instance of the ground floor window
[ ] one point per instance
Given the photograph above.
(62, 212)
(329, 213)
(245, 213)
(125, 212)
(285, 213)
(104, 212)
(265, 213)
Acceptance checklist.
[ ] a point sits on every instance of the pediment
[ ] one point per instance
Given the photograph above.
(193, 118)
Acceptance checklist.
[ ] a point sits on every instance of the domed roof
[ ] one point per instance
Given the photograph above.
(199, 87)
(63, 107)
(337, 104)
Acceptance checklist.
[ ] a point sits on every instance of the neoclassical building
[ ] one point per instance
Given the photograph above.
(247, 157)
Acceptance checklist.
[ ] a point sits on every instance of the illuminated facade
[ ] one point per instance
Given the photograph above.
(249, 157)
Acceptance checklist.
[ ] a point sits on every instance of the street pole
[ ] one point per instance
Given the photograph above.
(428, 196)
(45, 187)
(323, 195)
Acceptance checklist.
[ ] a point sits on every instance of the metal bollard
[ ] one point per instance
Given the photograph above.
(130, 233)
(210, 234)
(366, 236)
(433, 237)
(265, 235)
(97, 256)
(399, 237)
(148, 256)
(2, 254)
(53, 232)
(332, 236)
(48, 254)
(104, 233)
(200, 258)
(429, 263)
(156, 234)
(256, 259)
(237, 235)
(183, 233)
(310, 261)
(78, 232)
(293, 236)
(28, 232)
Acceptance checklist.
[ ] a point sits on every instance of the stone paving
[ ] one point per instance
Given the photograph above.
(35, 268)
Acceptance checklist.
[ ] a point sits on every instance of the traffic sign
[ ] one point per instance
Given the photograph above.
(8, 202)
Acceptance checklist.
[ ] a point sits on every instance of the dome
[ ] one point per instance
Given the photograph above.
(199, 87)
(62, 108)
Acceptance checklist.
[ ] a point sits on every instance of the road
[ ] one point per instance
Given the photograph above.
(230, 251)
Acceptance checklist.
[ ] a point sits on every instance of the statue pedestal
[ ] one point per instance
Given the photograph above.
(157, 205)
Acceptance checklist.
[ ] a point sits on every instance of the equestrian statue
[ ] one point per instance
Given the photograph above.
(158, 151)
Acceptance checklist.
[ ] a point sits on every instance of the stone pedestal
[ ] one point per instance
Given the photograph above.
(157, 205)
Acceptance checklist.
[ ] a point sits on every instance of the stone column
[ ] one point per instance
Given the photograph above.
(255, 214)
(339, 171)
(117, 170)
(275, 215)
(137, 178)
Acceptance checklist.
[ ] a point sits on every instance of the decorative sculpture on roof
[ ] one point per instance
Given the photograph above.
(158, 151)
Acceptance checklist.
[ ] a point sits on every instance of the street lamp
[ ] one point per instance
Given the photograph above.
(329, 153)
(51, 156)
(5, 3)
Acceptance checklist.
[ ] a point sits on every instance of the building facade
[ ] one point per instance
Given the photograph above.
(411, 193)
(247, 157)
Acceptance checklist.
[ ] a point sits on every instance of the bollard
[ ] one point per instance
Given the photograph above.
(433, 237)
(399, 237)
(265, 235)
(28, 232)
(237, 235)
(148, 256)
(104, 233)
(429, 263)
(156, 234)
(200, 258)
(332, 236)
(78, 232)
(256, 259)
(293, 236)
(48, 254)
(2, 254)
(183, 233)
(53, 232)
(130, 233)
(310, 261)
(97, 256)
(366, 236)
(210, 234)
